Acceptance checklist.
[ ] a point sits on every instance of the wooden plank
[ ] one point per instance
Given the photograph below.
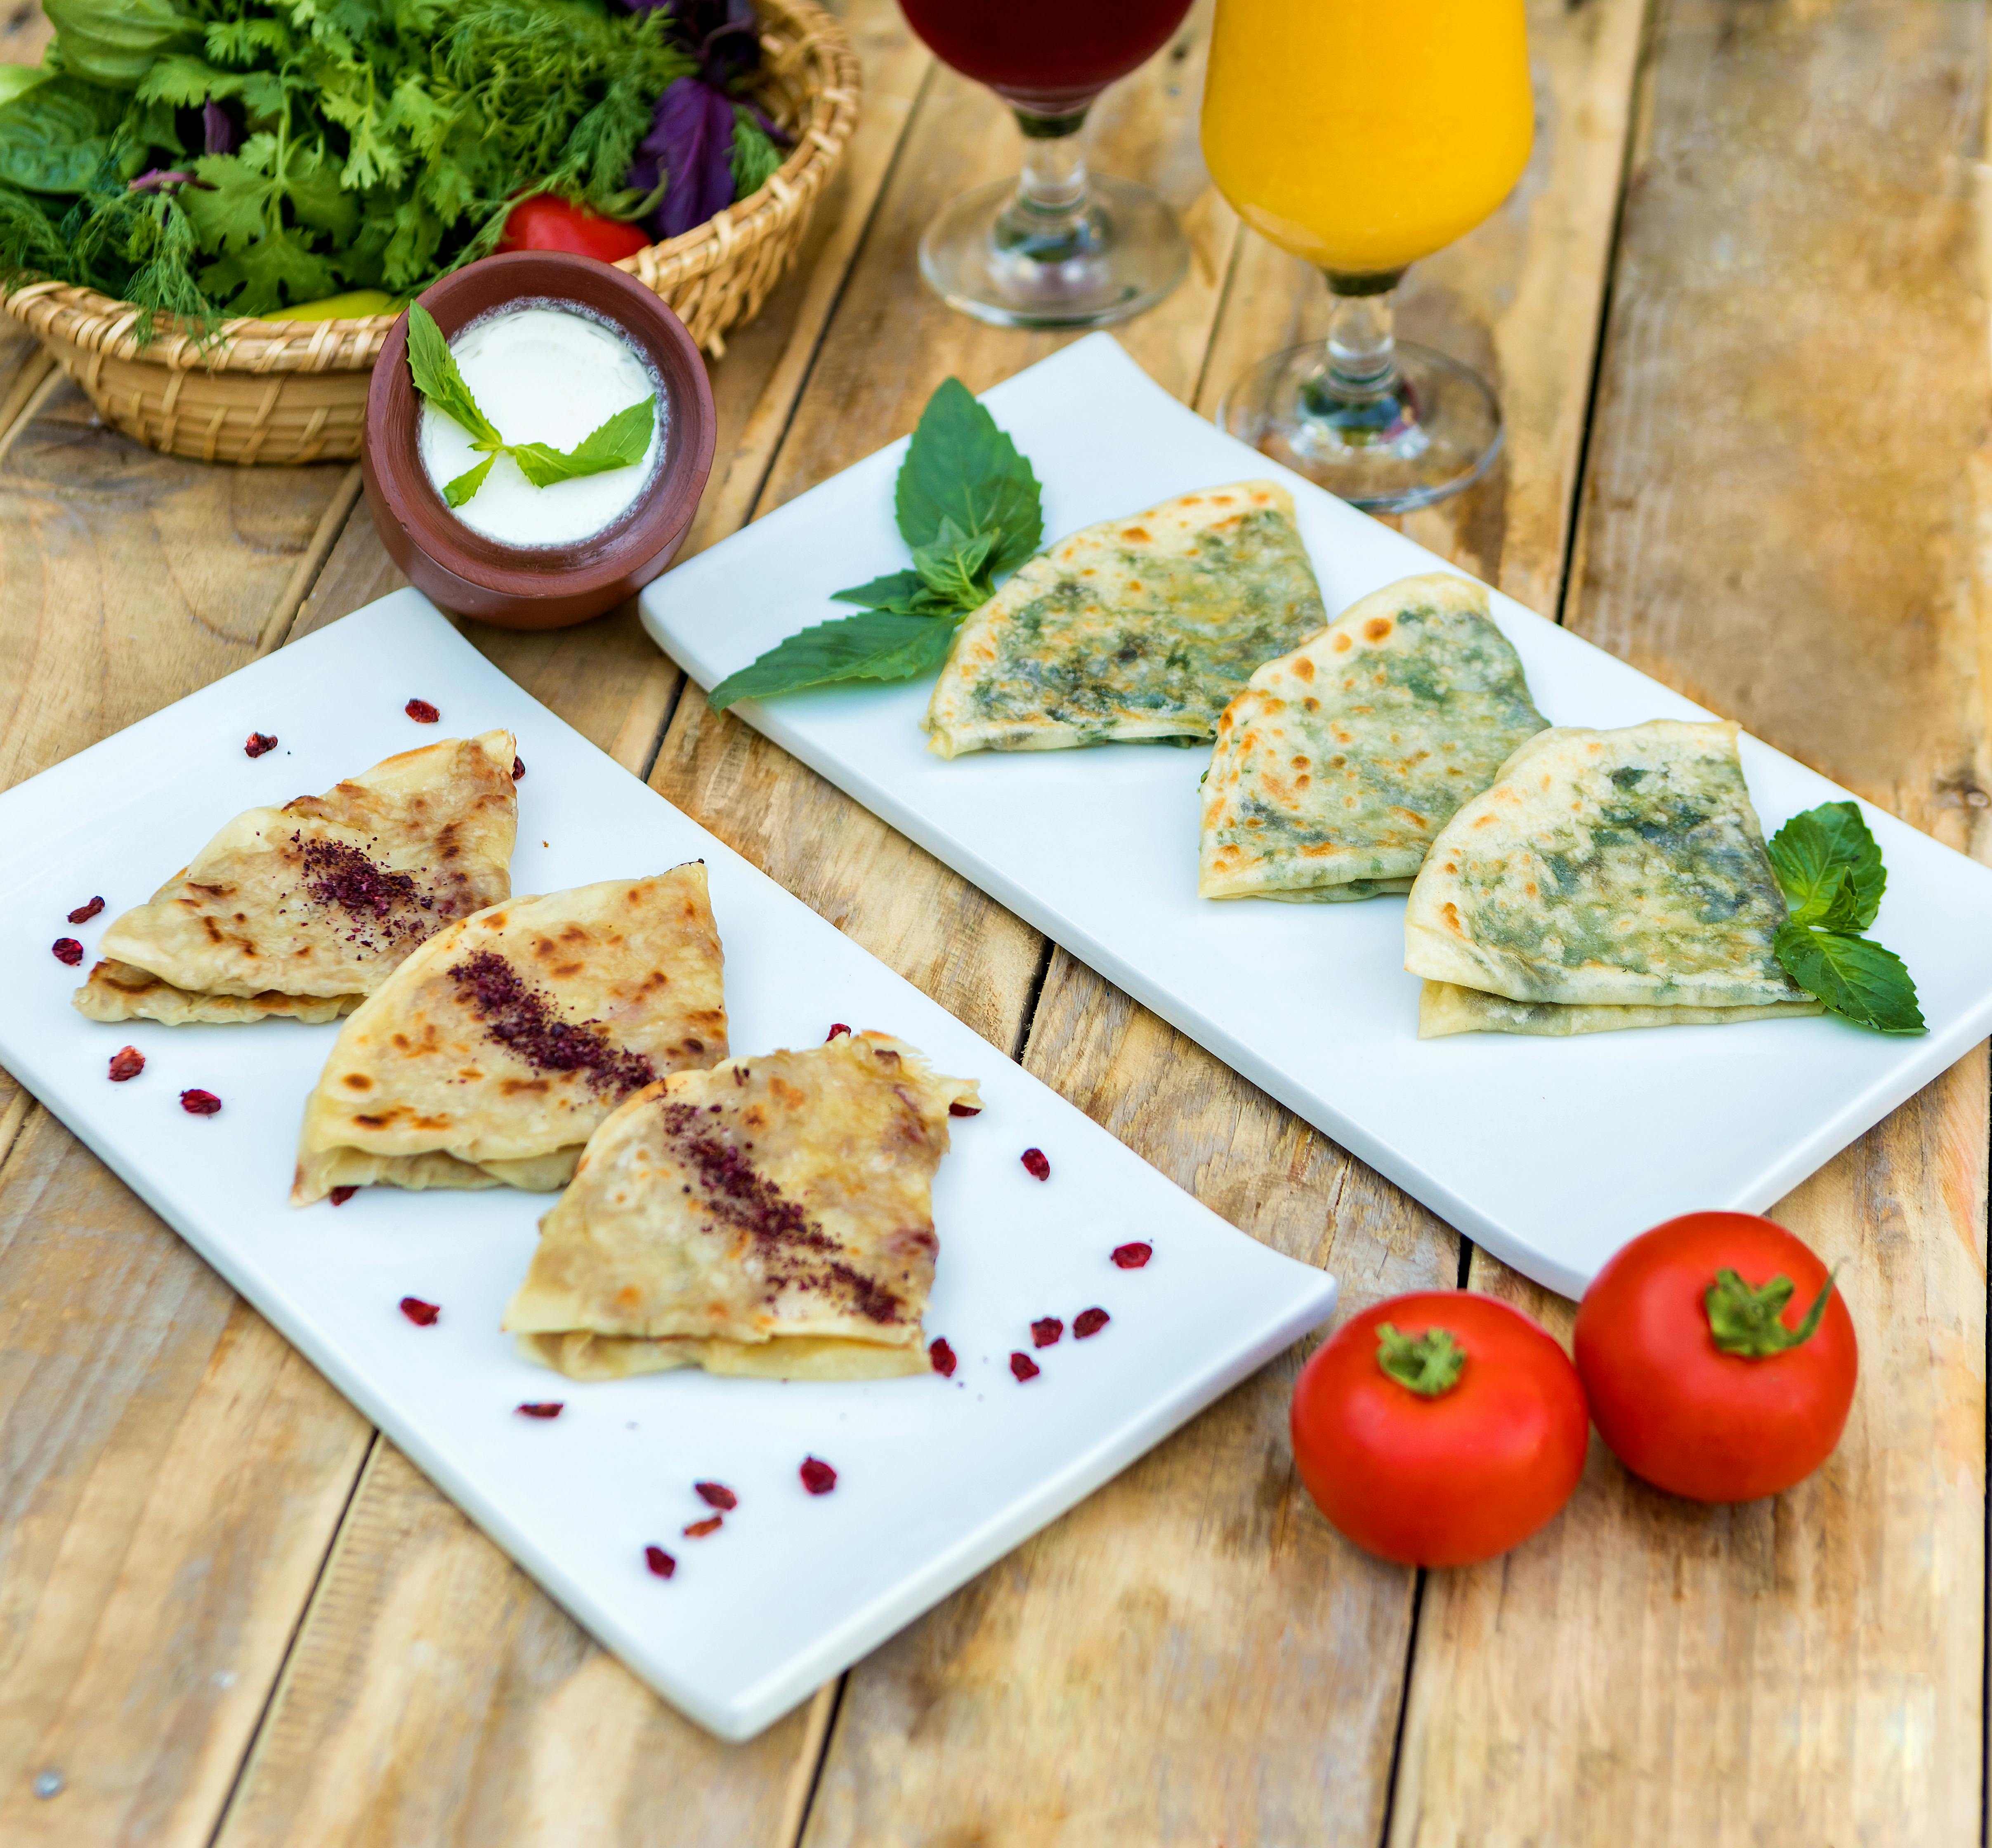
(1783, 517)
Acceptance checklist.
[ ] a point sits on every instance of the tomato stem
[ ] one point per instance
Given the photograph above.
(1750, 1323)
(1427, 1364)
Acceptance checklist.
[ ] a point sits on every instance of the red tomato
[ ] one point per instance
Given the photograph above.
(1455, 1476)
(544, 223)
(1675, 1407)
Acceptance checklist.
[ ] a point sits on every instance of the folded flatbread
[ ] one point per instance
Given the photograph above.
(1141, 628)
(1336, 767)
(1603, 871)
(304, 911)
(772, 1216)
(490, 1056)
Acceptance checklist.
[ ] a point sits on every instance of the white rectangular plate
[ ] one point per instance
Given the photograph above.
(1551, 1153)
(935, 1478)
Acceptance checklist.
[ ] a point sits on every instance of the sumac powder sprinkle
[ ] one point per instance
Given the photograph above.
(1024, 1367)
(199, 1103)
(1045, 1330)
(421, 712)
(699, 1529)
(818, 1478)
(835, 1032)
(518, 768)
(964, 1110)
(716, 1494)
(340, 1195)
(1088, 1321)
(1035, 1165)
(337, 873)
(940, 1356)
(422, 1314)
(659, 1561)
(67, 950)
(550, 1408)
(256, 743)
(127, 1061)
(83, 913)
(522, 1019)
(1132, 1258)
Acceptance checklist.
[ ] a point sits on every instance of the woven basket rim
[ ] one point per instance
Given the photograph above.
(247, 343)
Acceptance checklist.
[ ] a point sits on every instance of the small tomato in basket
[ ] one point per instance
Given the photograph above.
(1439, 1428)
(1719, 1357)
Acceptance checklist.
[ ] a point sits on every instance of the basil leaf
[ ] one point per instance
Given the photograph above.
(56, 138)
(1858, 980)
(619, 443)
(876, 645)
(959, 466)
(954, 566)
(433, 366)
(114, 41)
(456, 493)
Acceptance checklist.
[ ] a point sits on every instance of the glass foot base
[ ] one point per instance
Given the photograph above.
(1435, 433)
(984, 255)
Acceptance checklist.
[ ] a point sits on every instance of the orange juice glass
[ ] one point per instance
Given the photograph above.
(1361, 135)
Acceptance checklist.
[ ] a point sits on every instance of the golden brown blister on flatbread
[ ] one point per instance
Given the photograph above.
(771, 1217)
(302, 912)
(490, 1056)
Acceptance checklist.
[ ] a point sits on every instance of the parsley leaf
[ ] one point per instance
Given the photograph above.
(1855, 978)
(876, 644)
(619, 443)
(1830, 867)
(960, 467)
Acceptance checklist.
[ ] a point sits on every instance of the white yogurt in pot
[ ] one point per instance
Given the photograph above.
(549, 373)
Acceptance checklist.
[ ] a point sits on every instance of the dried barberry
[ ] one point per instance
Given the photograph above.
(716, 1494)
(964, 1110)
(421, 712)
(940, 1356)
(1045, 1330)
(659, 1561)
(818, 1478)
(83, 913)
(127, 1061)
(1132, 1258)
(67, 950)
(518, 768)
(422, 1314)
(1088, 1321)
(835, 1032)
(1023, 1366)
(699, 1529)
(340, 1195)
(199, 1103)
(1035, 1164)
(256, 743)
(546, 1408)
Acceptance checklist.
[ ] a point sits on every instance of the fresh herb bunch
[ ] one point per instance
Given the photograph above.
(1831, 868)
(968, 507)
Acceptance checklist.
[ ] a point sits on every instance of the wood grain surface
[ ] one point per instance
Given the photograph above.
(228, 1615)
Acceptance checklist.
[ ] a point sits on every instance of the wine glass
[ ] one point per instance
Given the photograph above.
(1057, 247)
(1362, 135)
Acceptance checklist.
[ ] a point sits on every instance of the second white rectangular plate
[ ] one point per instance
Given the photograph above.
(1551, 1153)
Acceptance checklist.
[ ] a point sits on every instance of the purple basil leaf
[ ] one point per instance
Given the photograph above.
(692, 142)
(219, 128)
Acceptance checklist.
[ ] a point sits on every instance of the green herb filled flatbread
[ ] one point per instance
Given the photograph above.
(1603, 870)
(1141, 628)
(1337, 766)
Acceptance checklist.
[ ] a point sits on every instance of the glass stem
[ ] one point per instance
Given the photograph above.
(1050, 220)
(1357, 392)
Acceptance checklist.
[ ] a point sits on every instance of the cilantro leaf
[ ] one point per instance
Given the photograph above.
(619, 443)
(953, 565)
(1814, 853)
(876, 644)
(456, 493)
(960, 467)
(433, 366)
(1852, 976)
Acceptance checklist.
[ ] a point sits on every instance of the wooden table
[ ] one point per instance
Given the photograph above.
(1736, 315)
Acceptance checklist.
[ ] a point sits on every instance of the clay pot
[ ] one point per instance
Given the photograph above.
(539, 587)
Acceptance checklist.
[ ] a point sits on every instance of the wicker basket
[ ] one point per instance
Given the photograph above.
(273, 392)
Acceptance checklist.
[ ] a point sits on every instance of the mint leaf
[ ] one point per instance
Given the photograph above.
(1815, 854)
(1860, 980)
(1859, 852)
(954, 566)
(456, 493)
(433, 367)
(877, 645)
(961, 467)
(896, 591)
(620, 443)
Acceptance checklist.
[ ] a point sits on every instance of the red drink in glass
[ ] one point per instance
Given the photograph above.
(1051, 57)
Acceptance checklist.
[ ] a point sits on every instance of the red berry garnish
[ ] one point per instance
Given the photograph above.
(1088, 1321)
(422, 1314)
(127, 1061)
(67, 950)
(518, 768)
(699, 1529)
(1045, 1330)
(964, 1110)
(839, 1028)
(340, 1195)
(83, 913)
(1023, 1366)
(199, 1103)
(716, 1494)
(818, 1478)
(940, 1356)
(548, 1408)
(1132, 1258)
(256, 743)
(421, 712)
(659, 1561)
(1035, 1164)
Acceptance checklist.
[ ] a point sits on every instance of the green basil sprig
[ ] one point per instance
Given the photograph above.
(968, 507)
(619, 443)
(1831, 868)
